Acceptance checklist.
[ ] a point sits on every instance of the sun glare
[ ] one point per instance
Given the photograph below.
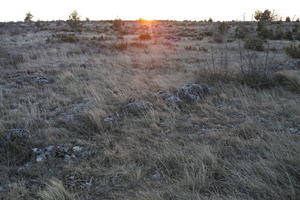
(145, 21)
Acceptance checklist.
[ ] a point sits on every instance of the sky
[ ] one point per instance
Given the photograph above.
(15, 10)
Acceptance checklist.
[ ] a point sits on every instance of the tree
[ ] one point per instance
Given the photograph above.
(287, 19)
(210, 20)
(74, 21)
(28, 17)
(265, 16)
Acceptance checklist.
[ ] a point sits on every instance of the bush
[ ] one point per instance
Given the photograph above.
(263, 32)
(293, 51)
(55, 191)
(145, 36)
(278, 34)
(74, 21)
(207, 33)
(70, 38)
(289, 79)
(121, 46)
(267, 15)
(218, 38)
(241, 32)
(223, 27)
(254, 44)
(117, 25)
(28, 17)
(288, 35)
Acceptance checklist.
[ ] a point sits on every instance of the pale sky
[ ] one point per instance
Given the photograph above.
(14, 10)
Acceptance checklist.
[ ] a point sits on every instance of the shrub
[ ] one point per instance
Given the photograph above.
(297, 36)
(267, 15)
(117, 25)
(263, 32)
(223, 27)
(241, 32)
(254, 44)
(145, 36)
(28, 17)
(70, 38)
(55, 191)
(121, 46)
(207, 33)
(74, 21)
(218, 38)
(289, 79)
(278, 34)
(288, 35)
(288, 19)
(293, 51)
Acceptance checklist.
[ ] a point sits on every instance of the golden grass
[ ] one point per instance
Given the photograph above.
(238, 143)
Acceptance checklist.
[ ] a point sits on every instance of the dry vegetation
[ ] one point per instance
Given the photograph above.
(86, 113)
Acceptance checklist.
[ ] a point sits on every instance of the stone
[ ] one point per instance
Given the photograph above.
(77, 148)
(14, 134)
(190, 94)
(60, 151)
(137, 107)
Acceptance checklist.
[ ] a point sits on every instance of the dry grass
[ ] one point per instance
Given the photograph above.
(55, 191)
(240, 142)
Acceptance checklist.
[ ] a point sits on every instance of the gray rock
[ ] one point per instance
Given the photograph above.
(112, 120)
(77, 148)
(190, 94)
(64, 152)
(138, 107)
(193, 93)
(14, 134)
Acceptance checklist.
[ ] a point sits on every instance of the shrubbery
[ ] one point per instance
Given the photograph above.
(145, 36)
(254, 44)
(74, 21)
(28, 17)
(241, 31)
(70, 38)
(293, 51)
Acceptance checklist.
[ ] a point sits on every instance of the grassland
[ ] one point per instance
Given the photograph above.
(71, 91)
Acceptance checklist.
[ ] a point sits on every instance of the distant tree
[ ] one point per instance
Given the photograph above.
(265, 16)
(298, 20)
(210, 20)
(28, 17)
(74, 21)
(117, 24)
(87, 19)
(287, 19)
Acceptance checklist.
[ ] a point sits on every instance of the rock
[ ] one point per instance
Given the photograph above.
(190, 94)
(112, 120)
(63, 152)
(156, 175)
(138, 107)
(28, 78)
(77, 148)
(15, 134)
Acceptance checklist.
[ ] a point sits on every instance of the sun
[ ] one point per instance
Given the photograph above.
(145, 21)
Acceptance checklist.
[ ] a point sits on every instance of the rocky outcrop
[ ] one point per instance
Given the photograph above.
(190, 94)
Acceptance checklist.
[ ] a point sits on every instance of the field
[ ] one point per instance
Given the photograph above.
(149, 111)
